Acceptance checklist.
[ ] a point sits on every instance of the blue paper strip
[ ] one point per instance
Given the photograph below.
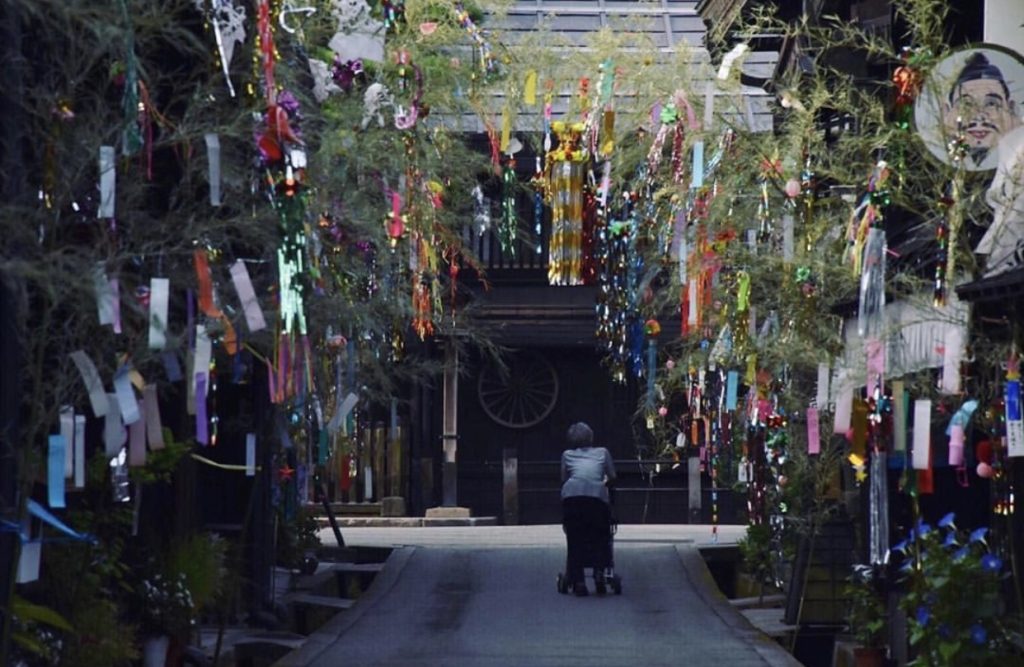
(55, 471)
(697, 170)
(732, 382)
(40, 512)
(1013, 408)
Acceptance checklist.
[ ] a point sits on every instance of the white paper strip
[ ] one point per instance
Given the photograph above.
(691, 315)
(67, 430)
(114, 433)
(93, 384)
(79, 451)
(154, 426)
(821, 399)
(1014, 420)
(213, 161)
(899, 417)
(246, 294)
(159, 291)
(709, 107)
(126, 401)
(922, 433)
(107, 183)
(204, 350)
(787, 236)
(952, 354)
(844, 410)
(105, 297)
(250, 454)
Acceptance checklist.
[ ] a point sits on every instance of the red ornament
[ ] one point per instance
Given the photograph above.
(285, 473)
(983, 451)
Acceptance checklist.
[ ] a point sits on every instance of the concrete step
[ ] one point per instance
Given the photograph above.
(405, 521)
(759, 602)
(319, 600)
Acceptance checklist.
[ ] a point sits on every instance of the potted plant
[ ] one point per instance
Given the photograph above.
(866, 617)
(952, 581)
(167, 612)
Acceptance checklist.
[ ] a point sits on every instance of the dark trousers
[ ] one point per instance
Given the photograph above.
(586, 522)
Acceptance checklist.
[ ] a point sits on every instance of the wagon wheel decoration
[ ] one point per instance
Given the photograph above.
(520, 395)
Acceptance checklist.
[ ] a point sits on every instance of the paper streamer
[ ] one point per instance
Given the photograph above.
(115, 290)
(114, 433)
(875, 351)
(956, 445)
(247, 296)
(813, 432)
(202, 433)
(787, 238)
(103, 288)
(250, 454)
(731, 385)
(899, 416)
(691, 315)
(159, 292)
(922, 434)
(709, 107)
(697, 169)
(137, 442)
(108, 181)
(67, 431)
(204, 351)
(171, 366)
(28, 562)
(126, 401)
(821, 397)
(154, 425)
(951, 357)
(1014, 420)
(55, 471)
(93, 384)
(844, 410)
(530, 88)
(79, 448)
(213, 163)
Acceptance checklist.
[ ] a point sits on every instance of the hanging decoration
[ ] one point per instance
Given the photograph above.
(508, 228)
(566, 174)
(487, 61)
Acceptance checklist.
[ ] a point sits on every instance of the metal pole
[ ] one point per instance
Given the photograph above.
(450, 435)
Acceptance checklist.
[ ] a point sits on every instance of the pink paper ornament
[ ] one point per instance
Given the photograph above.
(984, 470)
(792, 188)
(662, 411)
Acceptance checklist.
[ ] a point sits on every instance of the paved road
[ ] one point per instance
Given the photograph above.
(485, 596)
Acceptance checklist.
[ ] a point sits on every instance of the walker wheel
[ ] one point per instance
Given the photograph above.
(562, 584)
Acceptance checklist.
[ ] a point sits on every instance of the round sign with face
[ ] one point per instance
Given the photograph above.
(976, 94)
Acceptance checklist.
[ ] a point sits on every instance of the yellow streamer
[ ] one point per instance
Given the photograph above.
(506, 129)
(222, 466)
(530, 87)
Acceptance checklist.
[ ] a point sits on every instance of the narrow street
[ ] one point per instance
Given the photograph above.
(486, 596)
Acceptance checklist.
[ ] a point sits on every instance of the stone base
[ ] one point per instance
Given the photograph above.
(447, 513)
(392, 506)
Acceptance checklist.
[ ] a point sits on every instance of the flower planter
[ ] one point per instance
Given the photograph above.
(154, 651)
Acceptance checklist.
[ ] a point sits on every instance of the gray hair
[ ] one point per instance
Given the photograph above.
(579, 435)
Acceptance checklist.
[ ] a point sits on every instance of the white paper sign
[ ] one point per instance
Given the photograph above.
(951, 357)
(250, 304)
(126, 401)
(922, 434)
(114, 433)
(108, 180)
(93, 384)
(28, 562)
(204, 350)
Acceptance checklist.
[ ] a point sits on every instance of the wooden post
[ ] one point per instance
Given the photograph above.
(510, 486)
(450, 435)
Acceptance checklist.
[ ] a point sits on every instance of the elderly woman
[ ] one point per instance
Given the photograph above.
(586, 514)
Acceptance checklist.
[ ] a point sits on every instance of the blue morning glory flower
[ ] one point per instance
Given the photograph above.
(902, 546)
(947, 521)
(978, 634)
(922, 616)
(923, 529)
(961, 554)
(991, 563)
(979, 535)
(950, 540)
